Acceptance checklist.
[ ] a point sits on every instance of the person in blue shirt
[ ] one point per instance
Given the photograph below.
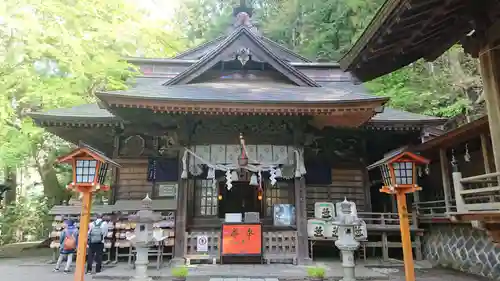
(68, 245)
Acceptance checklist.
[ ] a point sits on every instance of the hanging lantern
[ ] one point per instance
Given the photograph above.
(243, 158)
(254, 180)
(259, 195)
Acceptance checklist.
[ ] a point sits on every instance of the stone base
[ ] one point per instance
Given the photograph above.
(176, 262)
(464, 248)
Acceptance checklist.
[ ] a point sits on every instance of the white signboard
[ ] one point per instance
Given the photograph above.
(202, 243)
(167, 190)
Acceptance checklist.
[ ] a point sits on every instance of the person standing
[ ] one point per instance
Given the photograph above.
(68, 245)
(97, 232)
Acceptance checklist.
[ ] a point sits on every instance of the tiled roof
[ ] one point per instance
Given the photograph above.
(81, 111)
(394, 115)
(248, 92)
(93, 111)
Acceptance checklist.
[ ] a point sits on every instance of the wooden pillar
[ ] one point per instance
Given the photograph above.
(445, 173)
(484, 151)
(457, 185)
(83, 236)
(405, 236)
(489, 60)
(301, 220)
(180, 215)
(115, 170)
(385, 242)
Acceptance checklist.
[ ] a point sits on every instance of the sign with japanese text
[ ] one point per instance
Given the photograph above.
(241, 239)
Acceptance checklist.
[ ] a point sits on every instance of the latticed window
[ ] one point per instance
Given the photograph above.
(280, 193)
(206, 198)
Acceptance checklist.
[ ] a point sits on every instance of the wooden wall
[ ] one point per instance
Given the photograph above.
(346, 183)
(132, 180)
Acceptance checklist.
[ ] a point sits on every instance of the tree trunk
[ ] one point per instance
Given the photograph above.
(51, 187)
(11, 182)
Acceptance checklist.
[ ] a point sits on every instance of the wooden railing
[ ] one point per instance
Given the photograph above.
(478, 193)
(384, 221)
(438, 209)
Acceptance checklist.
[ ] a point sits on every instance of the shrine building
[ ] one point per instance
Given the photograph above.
(241, 125)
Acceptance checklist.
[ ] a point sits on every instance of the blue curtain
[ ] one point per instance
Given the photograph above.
(318, 173)
(163, 169)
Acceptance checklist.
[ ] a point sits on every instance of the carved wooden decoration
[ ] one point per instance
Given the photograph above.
(134, 146)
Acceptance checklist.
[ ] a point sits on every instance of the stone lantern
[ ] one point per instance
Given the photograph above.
(348, 230)
(144, 236)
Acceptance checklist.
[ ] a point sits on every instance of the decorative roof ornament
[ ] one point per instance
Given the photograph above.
(147, 203)
(345, 206)
(243, 55)
(243, 17)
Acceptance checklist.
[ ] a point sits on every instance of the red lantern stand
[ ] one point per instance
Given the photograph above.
(399, 176)
(89, 172)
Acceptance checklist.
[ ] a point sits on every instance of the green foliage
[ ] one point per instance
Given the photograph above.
(324, 30)
(316, 272)
(25, 220)
(180, 271)
(446, 87)
(57, 53)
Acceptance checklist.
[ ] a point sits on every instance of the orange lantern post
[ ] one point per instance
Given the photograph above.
(89, 172)
(399, 178)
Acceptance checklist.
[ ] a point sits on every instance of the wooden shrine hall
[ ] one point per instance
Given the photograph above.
(241, 131)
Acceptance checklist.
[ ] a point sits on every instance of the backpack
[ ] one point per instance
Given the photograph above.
(96, 233)
(69, 243)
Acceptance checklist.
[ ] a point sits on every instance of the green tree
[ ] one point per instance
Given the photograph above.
(56, 53)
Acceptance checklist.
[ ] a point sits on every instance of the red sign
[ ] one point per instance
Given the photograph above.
(241, 239)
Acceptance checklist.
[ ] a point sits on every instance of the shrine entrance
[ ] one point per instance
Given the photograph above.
(241, 198)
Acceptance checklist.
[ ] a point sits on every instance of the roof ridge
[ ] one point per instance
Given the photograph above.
(199, 47)
(225, 43)
(287, 50)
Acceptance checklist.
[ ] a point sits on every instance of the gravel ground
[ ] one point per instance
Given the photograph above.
(437, 274)
(34, 270)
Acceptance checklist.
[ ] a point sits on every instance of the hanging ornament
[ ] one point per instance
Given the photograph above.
(427, 169)
(260, 180)
(234, 176)
(279, 173)
(228, 180)
(184, 174)
(254, 180)
(467, 155)
(453, 159)
(298, 174)
(272, 176)
(211, 173)
(419, 170)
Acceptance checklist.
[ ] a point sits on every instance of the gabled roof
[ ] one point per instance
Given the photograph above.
(203, 49)
(257, 47)
(402, 32)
